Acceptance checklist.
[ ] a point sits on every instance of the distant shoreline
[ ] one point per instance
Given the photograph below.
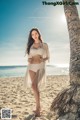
(23, 77)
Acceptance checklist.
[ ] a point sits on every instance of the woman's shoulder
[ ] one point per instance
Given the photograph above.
(45, 44)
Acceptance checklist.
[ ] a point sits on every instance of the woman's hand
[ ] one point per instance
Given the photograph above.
(41, 59)
(30, 60)
(44, 59)
(36, 59)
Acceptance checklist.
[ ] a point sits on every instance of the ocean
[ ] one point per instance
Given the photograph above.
(19, 71)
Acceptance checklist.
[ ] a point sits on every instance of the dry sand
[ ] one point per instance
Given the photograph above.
(22, 103)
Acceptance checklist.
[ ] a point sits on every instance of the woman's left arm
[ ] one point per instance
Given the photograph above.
(44, 59)
(47, 53)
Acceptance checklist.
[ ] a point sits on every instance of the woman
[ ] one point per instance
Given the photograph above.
(37, 53)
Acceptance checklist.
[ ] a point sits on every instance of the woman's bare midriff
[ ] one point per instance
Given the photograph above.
(36, 59)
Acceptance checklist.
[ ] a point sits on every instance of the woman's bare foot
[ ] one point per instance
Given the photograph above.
(37, 115)
(37, 112)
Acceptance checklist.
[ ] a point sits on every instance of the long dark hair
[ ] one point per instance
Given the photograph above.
(31, 40)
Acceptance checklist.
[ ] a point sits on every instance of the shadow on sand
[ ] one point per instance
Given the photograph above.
(30, 117)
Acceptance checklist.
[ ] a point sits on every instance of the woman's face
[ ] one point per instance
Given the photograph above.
(35, 35)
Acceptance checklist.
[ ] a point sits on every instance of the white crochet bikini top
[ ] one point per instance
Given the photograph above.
(41, 50)
(35, 51)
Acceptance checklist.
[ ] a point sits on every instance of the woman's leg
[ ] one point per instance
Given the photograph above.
(34, 76)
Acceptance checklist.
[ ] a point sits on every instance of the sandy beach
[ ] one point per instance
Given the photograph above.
(22, 103)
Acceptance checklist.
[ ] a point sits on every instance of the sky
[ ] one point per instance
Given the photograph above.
(18, 17)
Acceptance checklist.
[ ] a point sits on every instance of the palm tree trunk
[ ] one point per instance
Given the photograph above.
(73, 23)
(66, 106)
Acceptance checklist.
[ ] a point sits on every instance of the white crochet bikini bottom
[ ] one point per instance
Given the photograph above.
(36, 67)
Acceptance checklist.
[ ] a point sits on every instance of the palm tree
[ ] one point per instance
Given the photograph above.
(67, 104)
